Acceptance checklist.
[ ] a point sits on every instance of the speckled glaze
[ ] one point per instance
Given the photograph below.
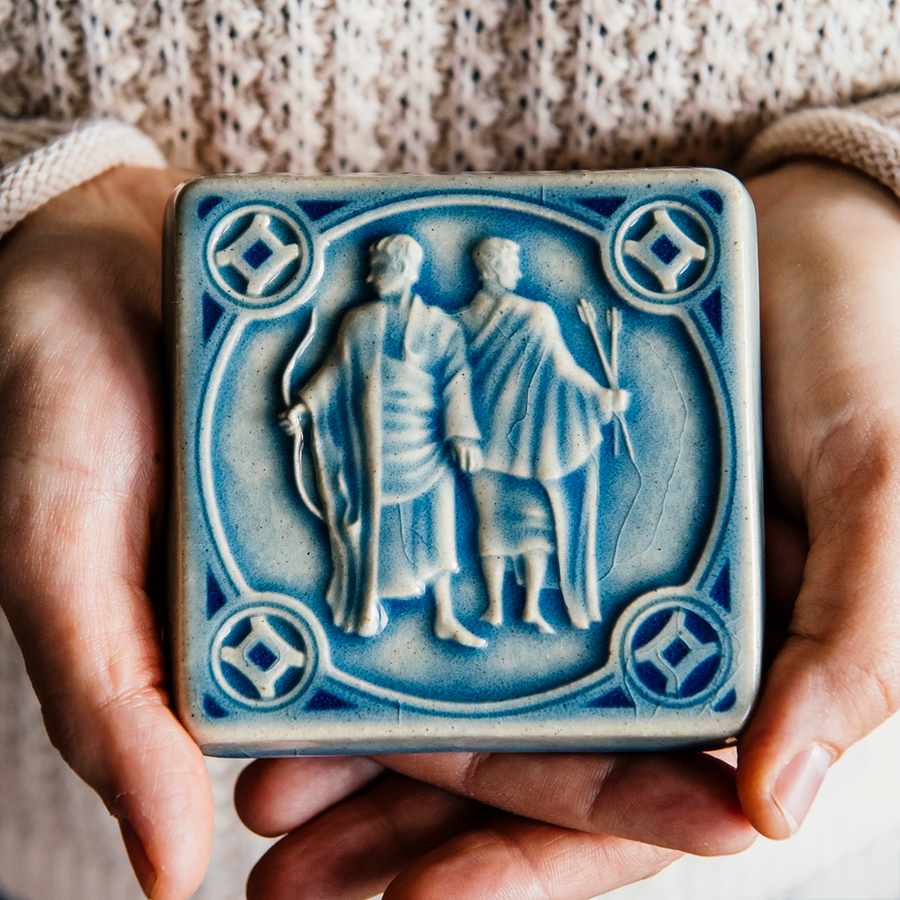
(464, 462)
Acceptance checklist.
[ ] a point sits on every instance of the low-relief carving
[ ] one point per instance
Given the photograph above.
(541, 417)
(407, 394)
(389, 412)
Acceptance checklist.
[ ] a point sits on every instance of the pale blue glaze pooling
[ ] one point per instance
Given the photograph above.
(262, 666)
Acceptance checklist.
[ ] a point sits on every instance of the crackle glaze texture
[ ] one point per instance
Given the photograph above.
(464, 462)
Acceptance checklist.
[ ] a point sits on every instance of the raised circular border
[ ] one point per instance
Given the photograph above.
(488, 708)
(620, 272)
(264, 609)
(294, 285)
(671, 598)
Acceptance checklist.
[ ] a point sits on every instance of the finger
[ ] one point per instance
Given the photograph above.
(355, 848)
(275, 796)
(838, 675)
(520, 859)
(638, 796)
(105, 707)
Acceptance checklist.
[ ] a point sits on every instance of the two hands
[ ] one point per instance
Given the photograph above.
(81, 493)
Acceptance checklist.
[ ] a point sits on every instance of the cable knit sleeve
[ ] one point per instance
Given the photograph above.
(865, 136)
(41, 158)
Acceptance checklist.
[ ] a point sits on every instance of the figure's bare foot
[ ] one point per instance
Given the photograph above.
(493, 614)
(537, 619)
(451, 630)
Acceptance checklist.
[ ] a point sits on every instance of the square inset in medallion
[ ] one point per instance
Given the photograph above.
(464, 462)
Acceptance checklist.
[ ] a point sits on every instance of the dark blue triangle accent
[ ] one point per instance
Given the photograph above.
(614, 699)
(712, 306)
(318, 209)
(212, 709)
(212, 312)
(726, 702)
(714, 200)
(324, 700)
(207, 205)
(606, 206)
(721, 590)
(215, 599)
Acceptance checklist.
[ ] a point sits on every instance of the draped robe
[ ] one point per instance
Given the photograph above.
(540, 415)
(379, 424)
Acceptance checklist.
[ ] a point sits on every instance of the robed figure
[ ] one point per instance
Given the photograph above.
(389, 414)
(541, 417)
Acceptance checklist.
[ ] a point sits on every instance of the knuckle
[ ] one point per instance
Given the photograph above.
(605, 801)
(877, 680)
(861, 457)
(863, 686)
(473, 774)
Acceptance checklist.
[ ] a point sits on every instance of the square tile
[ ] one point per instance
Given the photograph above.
(464, 462)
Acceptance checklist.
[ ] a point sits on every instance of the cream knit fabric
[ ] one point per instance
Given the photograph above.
(437, 85)
(392, 85)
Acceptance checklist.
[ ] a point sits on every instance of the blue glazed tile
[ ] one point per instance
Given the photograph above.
(464, 462)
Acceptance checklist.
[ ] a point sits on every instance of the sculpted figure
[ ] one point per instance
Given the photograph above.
(388, 411)
(540, 415)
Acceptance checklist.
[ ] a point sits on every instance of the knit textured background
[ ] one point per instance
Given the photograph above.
(392, 85)
(418, 85)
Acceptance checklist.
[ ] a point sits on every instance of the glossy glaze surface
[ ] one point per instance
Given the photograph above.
(464, 462)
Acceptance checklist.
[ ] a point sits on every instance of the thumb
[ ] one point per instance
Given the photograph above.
(75, 511)
(93, 656)
(837, 676)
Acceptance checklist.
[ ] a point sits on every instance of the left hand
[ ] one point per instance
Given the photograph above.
(829, 241)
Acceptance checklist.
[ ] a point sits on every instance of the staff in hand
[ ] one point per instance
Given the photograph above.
(588, 315)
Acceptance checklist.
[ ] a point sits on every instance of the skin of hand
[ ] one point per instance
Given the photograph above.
(829, 241)
(81, 479)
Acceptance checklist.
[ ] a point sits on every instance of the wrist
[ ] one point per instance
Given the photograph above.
(806, 184)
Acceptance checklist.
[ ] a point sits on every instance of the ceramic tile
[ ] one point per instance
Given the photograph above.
(464, 462)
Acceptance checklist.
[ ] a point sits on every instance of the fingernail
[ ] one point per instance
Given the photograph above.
(798, 784)
(140, 862)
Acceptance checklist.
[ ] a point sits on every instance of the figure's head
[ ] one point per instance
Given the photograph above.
(497, 260)
(396, 263)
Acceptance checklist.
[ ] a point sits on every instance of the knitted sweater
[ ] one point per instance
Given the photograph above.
(440, 85)
(393, 85)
